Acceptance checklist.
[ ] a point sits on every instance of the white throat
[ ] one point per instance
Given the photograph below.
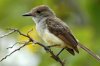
(35, 19)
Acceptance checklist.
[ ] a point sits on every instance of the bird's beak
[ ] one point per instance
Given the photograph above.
(27, 14)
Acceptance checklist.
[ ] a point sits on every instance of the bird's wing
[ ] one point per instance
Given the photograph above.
(59, 29)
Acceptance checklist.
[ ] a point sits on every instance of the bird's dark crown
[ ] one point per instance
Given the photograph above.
(42, 10)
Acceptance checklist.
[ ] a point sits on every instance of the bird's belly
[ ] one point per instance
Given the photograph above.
(51, 39)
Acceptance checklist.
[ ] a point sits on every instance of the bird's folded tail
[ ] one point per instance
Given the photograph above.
(71, 51)
(89, 51)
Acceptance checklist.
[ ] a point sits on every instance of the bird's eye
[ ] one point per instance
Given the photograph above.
(38, 11)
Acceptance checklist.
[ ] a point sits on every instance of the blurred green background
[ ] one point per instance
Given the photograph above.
(83, 17)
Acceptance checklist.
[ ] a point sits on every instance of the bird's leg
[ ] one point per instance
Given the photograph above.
(53, 45)
(60, 51)
(49, 47)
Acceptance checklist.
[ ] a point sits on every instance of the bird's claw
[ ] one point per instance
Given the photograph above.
(47, 48)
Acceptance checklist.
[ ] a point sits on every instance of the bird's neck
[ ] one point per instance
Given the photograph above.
(36, 19)
(40, 24)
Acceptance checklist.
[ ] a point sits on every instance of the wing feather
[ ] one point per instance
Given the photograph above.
(59, 29)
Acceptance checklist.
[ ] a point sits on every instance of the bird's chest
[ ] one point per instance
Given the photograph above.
(47, 36)
(51, 39)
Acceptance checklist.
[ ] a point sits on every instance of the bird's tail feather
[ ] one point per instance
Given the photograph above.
(89, 51)
(71, 51)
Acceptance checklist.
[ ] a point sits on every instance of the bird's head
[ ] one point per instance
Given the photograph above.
(40, 12)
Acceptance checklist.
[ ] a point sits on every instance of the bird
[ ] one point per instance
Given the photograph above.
(54, 31)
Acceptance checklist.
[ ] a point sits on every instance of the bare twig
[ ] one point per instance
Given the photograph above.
(33, 41)
(7, 34)
(29, 31)
(15, 44)
(16, 30)
(15, 51)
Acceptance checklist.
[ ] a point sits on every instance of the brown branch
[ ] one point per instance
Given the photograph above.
(33, 41)
(51, 52)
